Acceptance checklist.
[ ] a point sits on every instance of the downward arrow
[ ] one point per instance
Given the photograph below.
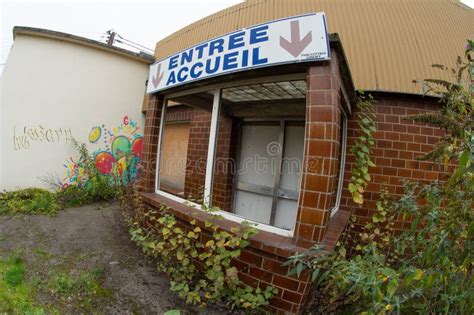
(297, 45)
(159, 76)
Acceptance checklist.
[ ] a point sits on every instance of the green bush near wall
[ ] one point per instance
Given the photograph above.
(427, 268)
(29, 201)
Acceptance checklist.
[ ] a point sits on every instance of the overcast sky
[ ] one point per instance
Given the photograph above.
(141, 21)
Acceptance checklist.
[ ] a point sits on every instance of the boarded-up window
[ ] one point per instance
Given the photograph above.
(174, 156)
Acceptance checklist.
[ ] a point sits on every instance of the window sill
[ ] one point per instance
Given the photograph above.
(283, 246)
(336, 226)
(279, 245)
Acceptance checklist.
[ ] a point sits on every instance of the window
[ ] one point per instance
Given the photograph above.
(239, 148)
(184, 140)
(269, 164)
(174, 157)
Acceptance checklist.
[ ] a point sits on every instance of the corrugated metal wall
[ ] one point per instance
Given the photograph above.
(389, 43)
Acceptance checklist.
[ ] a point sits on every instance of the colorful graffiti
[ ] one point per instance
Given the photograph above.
(75, 173)
(118, 157)
(23, 138)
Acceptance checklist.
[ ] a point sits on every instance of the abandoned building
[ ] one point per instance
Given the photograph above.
(251, 110)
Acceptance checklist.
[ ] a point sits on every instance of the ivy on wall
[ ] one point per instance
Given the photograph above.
(198, 263)
(361, 149)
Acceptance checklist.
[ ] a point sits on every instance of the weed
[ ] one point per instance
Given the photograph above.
(15, 273)
(29, 201)
(84, 288)
(16, 294)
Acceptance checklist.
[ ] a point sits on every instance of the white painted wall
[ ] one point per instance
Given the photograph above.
(60, 88)
(1, 131)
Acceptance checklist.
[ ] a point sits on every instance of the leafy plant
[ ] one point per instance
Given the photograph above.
(198, 263)
(428, 268)
(29, 201)
(97, 187)
(361, 149)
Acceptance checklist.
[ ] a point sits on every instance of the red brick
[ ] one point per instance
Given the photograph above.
(261, 274)
(292, 296)
(320, 82)
(281, 304)
(274, 266)
(285, 282)
(311, 217)
(316, 182)
(251, 258)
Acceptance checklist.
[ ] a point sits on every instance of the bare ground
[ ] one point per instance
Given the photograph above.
(88, 237)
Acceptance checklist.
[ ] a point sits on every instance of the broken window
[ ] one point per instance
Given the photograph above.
(239, 149)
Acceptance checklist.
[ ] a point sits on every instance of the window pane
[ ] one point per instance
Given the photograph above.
(292, 165)
(184, 143)
(259, 152)
(261, 188)
(257, 163)
(174, 154)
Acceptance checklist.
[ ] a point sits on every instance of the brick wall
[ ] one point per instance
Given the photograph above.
(150, 144)
(398, 143)
(224, 170)
(179, 113)
(197, 154)
(322, 153)
(259, 265)
(224, 167)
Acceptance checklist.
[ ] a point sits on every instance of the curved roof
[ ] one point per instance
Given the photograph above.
(40, 32)
(389, 43)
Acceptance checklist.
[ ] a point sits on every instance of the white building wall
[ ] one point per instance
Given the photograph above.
(1, 131)
(54, 90)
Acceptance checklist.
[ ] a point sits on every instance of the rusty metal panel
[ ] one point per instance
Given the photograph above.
(388, 43)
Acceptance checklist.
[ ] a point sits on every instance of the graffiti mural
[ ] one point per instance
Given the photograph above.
(23, 138)
(117, 157)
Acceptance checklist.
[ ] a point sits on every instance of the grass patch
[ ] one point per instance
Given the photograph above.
(84, 288)
(49, 289)
(17, 296)
(29, 201)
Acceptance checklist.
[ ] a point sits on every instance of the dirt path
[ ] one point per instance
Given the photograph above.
(91, 238)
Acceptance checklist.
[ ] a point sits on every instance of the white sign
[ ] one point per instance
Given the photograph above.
(289, 40)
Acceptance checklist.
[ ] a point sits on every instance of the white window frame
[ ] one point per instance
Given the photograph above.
(342, 164)
(210, 165)
(209, 171)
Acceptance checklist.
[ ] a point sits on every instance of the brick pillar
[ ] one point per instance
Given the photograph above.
(321, 156)
(197, 154)
(150, 143)
(224, 166)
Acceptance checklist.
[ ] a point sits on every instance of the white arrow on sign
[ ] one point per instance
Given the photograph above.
(159, 76)
(297, 45)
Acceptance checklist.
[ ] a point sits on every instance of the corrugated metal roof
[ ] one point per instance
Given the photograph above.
(389, 43)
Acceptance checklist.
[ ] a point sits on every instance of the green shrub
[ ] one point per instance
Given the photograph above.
(29, 201)
(428, 268)
(96, 188)
(199, 269)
